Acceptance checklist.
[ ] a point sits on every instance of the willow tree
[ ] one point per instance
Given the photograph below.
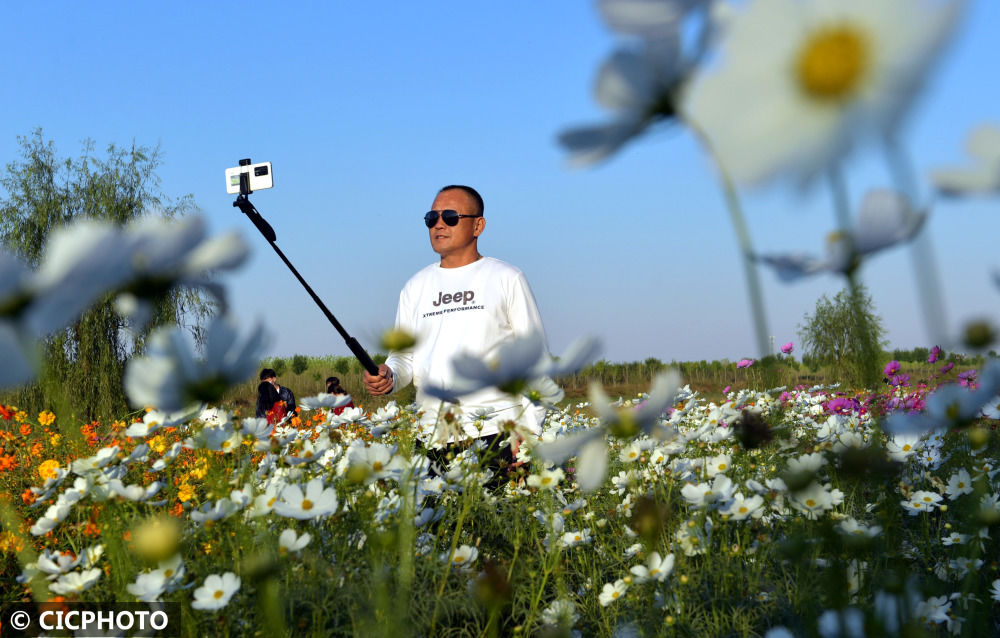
(846, 334)
(85, 362)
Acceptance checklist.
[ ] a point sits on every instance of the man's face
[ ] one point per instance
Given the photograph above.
(446, 239)
(272, 380)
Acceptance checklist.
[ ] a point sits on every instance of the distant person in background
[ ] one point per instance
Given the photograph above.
(269, 375)
(333, 387)
(269, 403)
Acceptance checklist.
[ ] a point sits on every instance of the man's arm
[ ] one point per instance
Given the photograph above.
(397, 371)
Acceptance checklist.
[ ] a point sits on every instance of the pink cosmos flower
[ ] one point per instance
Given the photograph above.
(934, 355)
(891, 369)
(744, 363)
(788, 347)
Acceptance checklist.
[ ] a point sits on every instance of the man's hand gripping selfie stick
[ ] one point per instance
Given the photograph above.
(243, 203)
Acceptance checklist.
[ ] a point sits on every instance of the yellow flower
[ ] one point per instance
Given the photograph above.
(21, 416)
(46, 418)
(55, 439)
(185, 493)
(157, 444)
(48, 469)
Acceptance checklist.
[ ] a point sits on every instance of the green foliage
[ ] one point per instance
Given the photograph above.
(279, 366)
(300, 363)
(845, 333)
(84, 363)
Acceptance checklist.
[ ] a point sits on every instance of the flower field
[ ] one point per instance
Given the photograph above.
(789, 511)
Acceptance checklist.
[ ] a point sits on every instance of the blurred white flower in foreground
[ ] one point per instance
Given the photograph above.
(164, 254)
(983, 178)
(590, 446)
(948, 406)
(514, 367)
(885, 219)
(16, 348)
(812, 79)
(170, 377)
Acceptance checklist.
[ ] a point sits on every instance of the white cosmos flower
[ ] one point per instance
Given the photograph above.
(983, 146)
(325, 400)
(995, 590)
(656, 568)
(812, 79)
(55, 562)
(313, 503)
(612, 591)
(813, 501)
(742, 508)
(290, 543)
(136, 493)
(547, 479)
(76, 582)
(959, 483)
(170, 377)
(921, 501)
(148, 586)
(885, 220)
(216, 592)
(463, 557)
(570, 539)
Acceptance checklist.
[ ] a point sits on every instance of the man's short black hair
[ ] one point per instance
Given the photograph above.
(267, 373)
(471, 192)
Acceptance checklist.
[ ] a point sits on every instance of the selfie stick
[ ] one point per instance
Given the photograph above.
(243, 203)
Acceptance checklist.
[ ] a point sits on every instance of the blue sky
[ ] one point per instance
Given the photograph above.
(365, 109)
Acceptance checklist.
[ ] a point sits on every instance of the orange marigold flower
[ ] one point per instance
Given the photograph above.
(90, 529)
(127, 536)
(7, 462)
(48, 469)
(25, 429)
(296, 421)
(36, 449)
(45, 417)
(177, 510)
(6, 412)
(28, 496)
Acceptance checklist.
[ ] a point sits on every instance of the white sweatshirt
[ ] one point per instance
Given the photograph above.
(471, 309)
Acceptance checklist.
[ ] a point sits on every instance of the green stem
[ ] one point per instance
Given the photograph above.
(466, 503)
(870, 349)
(738, 220)
(925, 270)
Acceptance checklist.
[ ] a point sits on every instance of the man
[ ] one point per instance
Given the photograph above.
(269, 375)
(464, 303)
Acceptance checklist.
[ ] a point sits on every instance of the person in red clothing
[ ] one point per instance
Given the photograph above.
(269, 403)
(333, 387)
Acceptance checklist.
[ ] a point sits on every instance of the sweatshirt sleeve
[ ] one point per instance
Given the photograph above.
(401, 362)
(522, 311)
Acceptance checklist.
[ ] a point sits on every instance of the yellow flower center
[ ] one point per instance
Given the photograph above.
(810, 503)
(218, 594)
(546, 480)
(906, 448)
(743, 509)
(307, 504)
(927, 499)
(615, 594)
(377, 466)
(832, 62)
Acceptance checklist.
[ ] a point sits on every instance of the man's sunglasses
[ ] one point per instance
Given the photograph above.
(449, 217)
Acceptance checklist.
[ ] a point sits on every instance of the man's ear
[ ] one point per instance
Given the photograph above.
(480, 226)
